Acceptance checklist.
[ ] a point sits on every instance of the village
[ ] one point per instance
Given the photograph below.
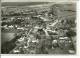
(41, 29)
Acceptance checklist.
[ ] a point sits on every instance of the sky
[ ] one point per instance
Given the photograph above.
(34, 0)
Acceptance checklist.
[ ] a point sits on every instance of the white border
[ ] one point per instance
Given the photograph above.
(78, 28)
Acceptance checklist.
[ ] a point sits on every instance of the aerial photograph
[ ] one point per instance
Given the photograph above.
(44, 27)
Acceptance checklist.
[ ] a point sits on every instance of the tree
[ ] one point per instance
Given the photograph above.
(71, 33)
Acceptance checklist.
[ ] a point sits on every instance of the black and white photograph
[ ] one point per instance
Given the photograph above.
(38, 27)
